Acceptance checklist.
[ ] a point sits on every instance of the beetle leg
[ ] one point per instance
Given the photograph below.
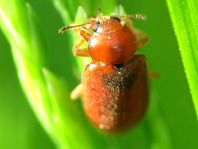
(85, 34)
(153, 74)
(142, 41)
(77, 46)
(141, 36)
(83, 52)
(129, 24)
(77, 92)
(77, 51)
(138, 33)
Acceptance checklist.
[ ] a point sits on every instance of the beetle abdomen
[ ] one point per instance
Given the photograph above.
(116, 98)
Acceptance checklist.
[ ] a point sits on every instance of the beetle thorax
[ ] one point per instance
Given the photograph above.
(113, 46)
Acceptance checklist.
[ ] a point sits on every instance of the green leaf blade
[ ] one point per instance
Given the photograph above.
(185, 22)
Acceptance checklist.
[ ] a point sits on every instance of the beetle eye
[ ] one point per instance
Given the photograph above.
(115, 18)
(95, 27)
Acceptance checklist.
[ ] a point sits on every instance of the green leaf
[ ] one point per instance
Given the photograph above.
(26, 49)
(67, 116)
(49, 95)
(185, 21)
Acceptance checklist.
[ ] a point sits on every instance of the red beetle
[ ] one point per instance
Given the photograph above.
(115, 85)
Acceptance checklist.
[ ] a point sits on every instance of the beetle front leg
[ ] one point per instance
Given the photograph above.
(85, 34)
(142, 41)
(84, 52)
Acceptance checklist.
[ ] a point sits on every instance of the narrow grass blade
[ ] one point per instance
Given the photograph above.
(185, 21)
(26, 46)
(47, 95)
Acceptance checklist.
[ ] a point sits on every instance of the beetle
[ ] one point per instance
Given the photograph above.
(115, 84)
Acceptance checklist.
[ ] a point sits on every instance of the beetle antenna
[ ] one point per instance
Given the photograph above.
(64, 28)
(135, 16)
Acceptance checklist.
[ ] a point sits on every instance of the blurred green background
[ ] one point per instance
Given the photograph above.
(20, 129)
